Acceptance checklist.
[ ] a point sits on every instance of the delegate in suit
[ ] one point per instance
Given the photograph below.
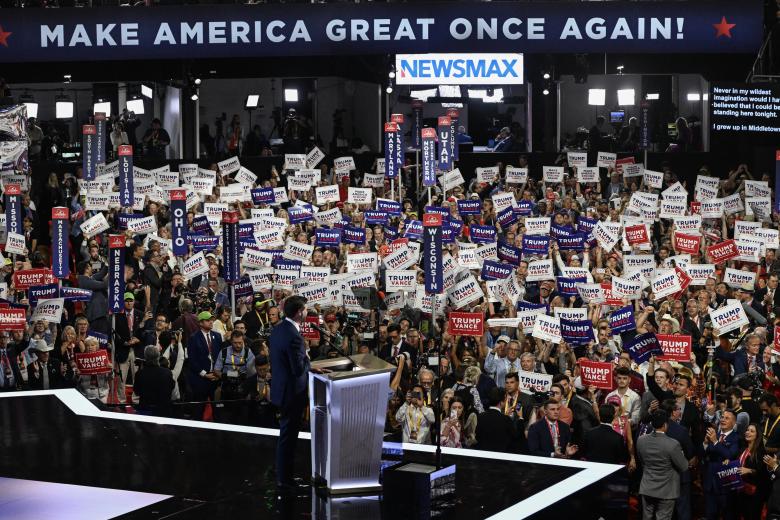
(290, 366)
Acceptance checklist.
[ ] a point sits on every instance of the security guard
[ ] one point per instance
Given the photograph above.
(233, 365)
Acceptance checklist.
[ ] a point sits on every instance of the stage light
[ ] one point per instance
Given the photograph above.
(291, 95)
(136, 106)
(391, 74)
(653, 96)
(705, 97)
(194, 96)
(389, 89)
(197, 81)
(620, 69)
(449, 91)
(29, 102)
(66, 78)
(694, 96)
(597, 96)
(63, 108)
(546, 92)
(452, 105)
(252, 100)
(102, 106)
(626, 97)
(422, 95)
(546, 75)
(147, 91)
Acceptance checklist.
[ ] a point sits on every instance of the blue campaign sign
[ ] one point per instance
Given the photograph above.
(577, 332)
(470, 207)
(508, 253)
(622, 320)
(568, 286)
(354, 235)
(495, 270)
(432, 254)
(237, 31)
(263, 196)
(327, 237)
(642, 347)
(537, 245)
(482, 234)
(506, 217)
(42, 292)
(374, 217)
(390, 207)
(413, 229)
(429, 157)
(75, 294)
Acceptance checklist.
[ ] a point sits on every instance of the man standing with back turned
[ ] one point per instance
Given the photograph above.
(290, 367)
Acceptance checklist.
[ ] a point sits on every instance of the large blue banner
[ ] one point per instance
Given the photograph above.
(99, 150)
(392, 168)
(417, 123)
(446, 162)
(126, 190)
(13, 209)
(179, 222)
(429, 157)
(230, 257)
(88, 151)
(236, 31)
(116, 273)
(60, 235)
(432, 254)
(454, 116)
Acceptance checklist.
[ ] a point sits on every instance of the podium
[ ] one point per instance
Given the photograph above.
(348, 409)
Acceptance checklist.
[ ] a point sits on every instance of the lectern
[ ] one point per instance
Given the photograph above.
(348, 409)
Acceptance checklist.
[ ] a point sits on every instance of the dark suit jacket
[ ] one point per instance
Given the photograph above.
(198, 360)
(680, 434)
(695, 331)
(97, 307)
(584, 417)
(495, 431)
(715, 455)
(387, 350)
(155, 283)
(289, 365)
(540, 442)
(153, 385)
(125, 335)
(35, 375)
(604, 444)
(739, 359)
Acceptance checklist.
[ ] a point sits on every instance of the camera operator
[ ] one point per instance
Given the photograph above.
(176, 354)
(415, 418)
(233, 365)
(154, 385)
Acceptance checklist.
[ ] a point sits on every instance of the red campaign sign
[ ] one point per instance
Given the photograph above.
(675, 347)
(608, 298)
(687, 243)
(30, 277)
(684, 280)
(467, 324)
(178, 194)
(397, 118)
(13, 189)
(309, 332)
(432, 220)
(596, 373)
(391, 127)
(396, 244)
(60, 213)
(637, 234)
(695, 207)
(622, 162)
(428, 133)
(93, 363)
(723, 252)
(13, 319)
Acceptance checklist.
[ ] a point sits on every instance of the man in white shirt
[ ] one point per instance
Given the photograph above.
(630, 400)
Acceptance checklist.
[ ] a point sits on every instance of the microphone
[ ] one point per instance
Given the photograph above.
(331, 344)
(321, 329)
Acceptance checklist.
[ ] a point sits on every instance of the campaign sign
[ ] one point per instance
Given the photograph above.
(525, 208)
(75, 294)
(684, 243)
(585, 224)
(637, 234)
(536, 245)
(568, 286)
(93, 363)
(482, 234)
(299, 214)
(675, 347)
(444, 129)
(508, 253)
(665, 283)
(576, 332)
(469, 207)
(243, 287)
(723, 252)
(643, 347)
(87, 152)
(576, 242)
(42, 292)
(390, 207)
(596, 373)
(178, 209)
(622, 320)
(730, 476)
(60, 220)
(466, 324)
(13, 319)
(48, 310)
(547, 328)
(728, 318)
(203, 242)
(495, 270)
(99, 336)
(125, 152)
(534, 381)
(506, 217)
(263, 196)
(116, 273)
(432, 256)
(354, 235)
(327, 237)
(429, 156)
(374, 217)
(413, 229)
(27, 278)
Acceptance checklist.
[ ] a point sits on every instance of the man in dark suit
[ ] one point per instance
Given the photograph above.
(96, 309)
(550, 437)
(746, 359)
(154, 384)
(603, 443)
(290, 366)
(495, 431)
(395, 345)
(679, 433)
(718, 448)
(127, 338)
(44, 373)
(201, 353)
(769, 296)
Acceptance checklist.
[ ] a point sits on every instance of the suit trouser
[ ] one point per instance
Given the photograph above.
(683, 505)
(124, 370)
(289, 427)
(719, 505)
(657, 508)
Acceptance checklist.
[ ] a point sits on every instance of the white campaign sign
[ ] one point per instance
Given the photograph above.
(665, 283)
(578, 159)
(606, 160)
(552, 174)
(14, 243)
(195, 265)
(547, 328)
(48, 310)
(728, 318)
(143, 226)
(537, 225)
(539, 270)
(516, 175)
(344, 164)
(326, 194)
(359, 195)
(400, 280)
(94, 225)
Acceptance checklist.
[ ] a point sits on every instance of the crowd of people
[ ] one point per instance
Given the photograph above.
(560, 271)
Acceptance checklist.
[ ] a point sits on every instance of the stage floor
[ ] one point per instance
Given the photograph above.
(220, 470)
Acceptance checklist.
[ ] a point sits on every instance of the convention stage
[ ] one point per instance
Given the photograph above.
(153, 468)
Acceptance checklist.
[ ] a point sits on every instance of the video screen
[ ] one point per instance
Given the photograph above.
(745, 108)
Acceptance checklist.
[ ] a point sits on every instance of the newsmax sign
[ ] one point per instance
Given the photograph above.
(453, 69)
